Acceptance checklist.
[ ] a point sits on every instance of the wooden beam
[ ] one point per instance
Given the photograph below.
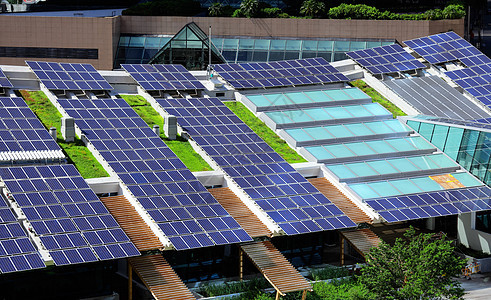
(130, 282)
(241, 264)
(304, 294)
(277, 295)
(342, 250)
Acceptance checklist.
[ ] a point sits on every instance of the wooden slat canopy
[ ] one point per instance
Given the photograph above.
(240, 212)
(159, 277)
(132, 224)
(362, 239)
(340, 200)
(275, 267)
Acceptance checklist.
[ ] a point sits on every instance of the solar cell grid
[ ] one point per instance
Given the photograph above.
(286, 196)
(68, 76)
(4, 82)
(475, 80)
(163, 185)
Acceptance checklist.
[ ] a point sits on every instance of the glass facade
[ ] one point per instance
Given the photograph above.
(469, 147)
(138, 49)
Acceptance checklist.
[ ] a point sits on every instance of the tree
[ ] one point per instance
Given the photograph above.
(312, 8)
(424, 267)
(249, 8)
(215, 9)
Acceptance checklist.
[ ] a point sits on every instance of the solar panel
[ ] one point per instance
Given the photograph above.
(279, 73)
(178, 203)
(285, 195)
(386, 59)
(22, 135)
(68, 76)
(163, 77)
(475, 80)
(4, 82)
(67, 216)
(433, 204)
(448, 46)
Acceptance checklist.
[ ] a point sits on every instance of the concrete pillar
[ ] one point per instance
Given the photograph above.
(156, 129)
(52, 132)
(430, 223)
(68, 129)
(170, 127)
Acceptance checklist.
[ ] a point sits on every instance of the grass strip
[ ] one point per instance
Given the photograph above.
(376, 97)
(181, 147)
(76, 152)
(269, 136)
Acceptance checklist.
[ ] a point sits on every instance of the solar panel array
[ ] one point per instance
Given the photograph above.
(484, 120)
(4, 82)
(68, 76)
(475, 80)
(386, 59)
(17, 252)
(279, 73)
(180, 205)
(71, 221)
(434, 204)
(285, 195)
(163, 77)
(448, 46)
(21, 131)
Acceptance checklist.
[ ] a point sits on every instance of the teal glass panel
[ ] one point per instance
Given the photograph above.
(356, 93)
(364, 191)
(359, 129)
(230, 44)
(339, 150)
(403, 165)
(278, 44)
(337, 95)
(375, 44)
(261, 44)
(381, 146)
(401, 146)
(379, 127)
(413, 124)
(278, 99)
(318, 114)
(362, 169)
(384, 188)
(397, 126)
(299, 98)
(124, 41)
(319, 152)
(443, 161)
(318, 96)
(426, 184)
(439, 137)
(152, 42)
(217, 42)
(426, 130)
(259, 100)
(405, 186)
(454, 140)
(341, 171)
(382, 167)
(309, 45)
(299, 135)
(339, 131)
(278, 117)
(325, 46)
(298, 116)
(358, 111)
(376, 109)
(293, 45)
(423, 162)
(360, 148)
(164, 40)
(357, 45)
(246, 44)
(338, 112)
(419, 143)
(319, 133)
(137, 41)
(466, 179)
(341, 46)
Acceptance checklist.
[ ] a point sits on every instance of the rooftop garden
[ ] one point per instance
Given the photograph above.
(376, 97)
(268, 135)
(181, 147)
(318, 9)
(76, 152)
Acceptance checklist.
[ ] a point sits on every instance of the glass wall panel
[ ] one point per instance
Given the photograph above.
(261, 44)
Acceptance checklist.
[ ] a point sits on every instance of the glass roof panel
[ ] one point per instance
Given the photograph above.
(382, 167)
(318, 114)
(339, 112)
(364, 191)
(466, 179)
(318, 96)
(339, 150)
(359, 129)
(259, 100)
(379, 127)
(319, 152)
(338, 95)
(339, 131)
(341, 171)
(362, 169)
(319, 133)
(381, 146)
(356, 93)
(403, 165)
(278, 117)
(278, 99)
(299, 135)
(426, 184)
(384, 188)
(298, 98)
(360, 148)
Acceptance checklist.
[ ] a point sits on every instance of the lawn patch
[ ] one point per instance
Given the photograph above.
(376, 97)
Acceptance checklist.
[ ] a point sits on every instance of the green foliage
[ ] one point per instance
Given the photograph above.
(180, 146)
(340, 289)
(250, 8)
(312, 8)
(271, 12)
(354, 11)
(454, 11)
(421, 267)
(165, 8)
(433, 14)
(269, 136)
(215, 9)
(76, 152)
(376, 97)
(238, 13)
(254, 286)
(329, 272)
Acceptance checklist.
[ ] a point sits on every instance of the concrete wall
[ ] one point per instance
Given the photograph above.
(470, 237)
(304, 28)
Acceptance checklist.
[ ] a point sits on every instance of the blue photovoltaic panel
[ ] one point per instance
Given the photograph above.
(279, 73)
(163, 77)
(4, 82)
(181, 206)
(434, 204)
(475, 80)
(484, 121)
(68, 76)
(65, 213)
(285, 195)
(21, 130)
(448, 46)
(17, 252)
(386, 59)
